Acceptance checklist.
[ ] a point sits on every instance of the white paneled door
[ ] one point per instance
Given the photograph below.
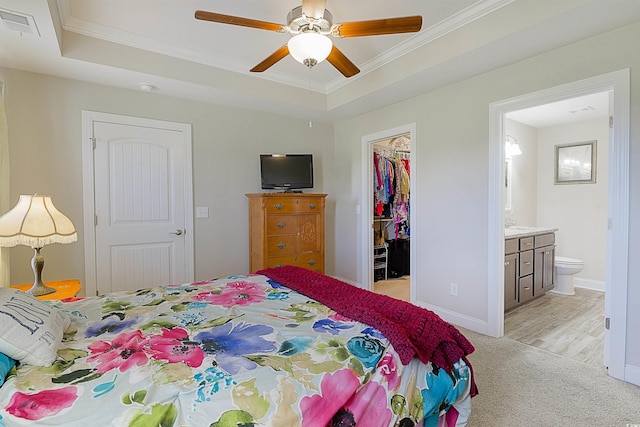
(142, 209)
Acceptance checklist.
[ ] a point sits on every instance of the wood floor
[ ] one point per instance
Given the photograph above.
(571, 326)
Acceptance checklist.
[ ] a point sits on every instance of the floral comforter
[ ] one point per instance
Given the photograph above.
(240, 350)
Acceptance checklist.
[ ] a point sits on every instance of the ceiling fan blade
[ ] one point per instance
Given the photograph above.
(342, 63)
(407, 24)
(271, 59)
(314, 8)
(237, 20)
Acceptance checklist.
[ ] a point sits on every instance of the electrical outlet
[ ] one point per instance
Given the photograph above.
(454, 289)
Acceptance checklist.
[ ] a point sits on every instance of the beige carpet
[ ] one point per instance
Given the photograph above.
(397, 288)
(522, 385)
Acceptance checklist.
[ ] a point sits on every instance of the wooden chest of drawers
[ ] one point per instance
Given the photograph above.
(286, 229)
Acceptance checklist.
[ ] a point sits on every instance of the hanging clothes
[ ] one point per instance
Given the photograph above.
(391, 193)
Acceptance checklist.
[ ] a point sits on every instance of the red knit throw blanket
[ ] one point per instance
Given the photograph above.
(412, 330)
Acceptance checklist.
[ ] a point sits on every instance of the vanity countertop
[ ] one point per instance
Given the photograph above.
(523, 231)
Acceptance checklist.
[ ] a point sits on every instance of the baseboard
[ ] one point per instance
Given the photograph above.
(458, 319)
(471, 323)
(351, 282)
(632, 374)
(594, 285)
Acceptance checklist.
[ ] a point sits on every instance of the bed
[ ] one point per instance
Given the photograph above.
(262, 349)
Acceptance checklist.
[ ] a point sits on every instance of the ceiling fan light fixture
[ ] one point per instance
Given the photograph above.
(309, 48)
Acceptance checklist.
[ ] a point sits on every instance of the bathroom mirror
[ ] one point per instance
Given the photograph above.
(507, 184)
(576, 163)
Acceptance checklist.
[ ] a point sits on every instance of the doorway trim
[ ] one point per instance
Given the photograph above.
(617, 83)
(88, 177)
(366, 218)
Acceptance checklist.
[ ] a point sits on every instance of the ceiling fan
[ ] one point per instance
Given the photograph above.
(310, 25)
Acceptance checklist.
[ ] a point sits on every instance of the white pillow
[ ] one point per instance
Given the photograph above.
(30, 330)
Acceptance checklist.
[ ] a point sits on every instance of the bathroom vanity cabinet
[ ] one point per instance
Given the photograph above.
(528, 265)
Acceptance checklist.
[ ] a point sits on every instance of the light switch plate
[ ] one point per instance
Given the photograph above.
(202, 212)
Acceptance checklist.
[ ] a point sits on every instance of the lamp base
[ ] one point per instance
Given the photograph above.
(40, 289)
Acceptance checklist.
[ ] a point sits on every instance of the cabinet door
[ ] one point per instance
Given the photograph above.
(511, 276)
(543, 270)
(548, 264)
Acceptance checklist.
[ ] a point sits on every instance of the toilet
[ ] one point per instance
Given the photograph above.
(565, 269)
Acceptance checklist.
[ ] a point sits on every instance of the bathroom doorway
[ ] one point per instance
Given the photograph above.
(617, 85)
(567, 320)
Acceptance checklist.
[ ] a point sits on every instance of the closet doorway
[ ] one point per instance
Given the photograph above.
(386, 217)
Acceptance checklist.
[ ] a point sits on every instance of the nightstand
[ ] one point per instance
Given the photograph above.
(64, 289)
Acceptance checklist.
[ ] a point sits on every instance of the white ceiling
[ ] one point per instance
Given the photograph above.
(572, 110)
(159, 42)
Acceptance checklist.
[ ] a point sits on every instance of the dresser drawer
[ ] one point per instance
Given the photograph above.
(526, 243)
(293, 205)
(511, 246)
(544, 240)
(311, 260)
(526, 289)
(526, 263)
(281, 224)
(281, 245)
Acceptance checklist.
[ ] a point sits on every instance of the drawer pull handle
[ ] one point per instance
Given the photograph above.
(507, 263)
(312, 205)
(527, 263)
(278, 206)
(278, 265)
(312, 262)
(282, 245)
(281, 224)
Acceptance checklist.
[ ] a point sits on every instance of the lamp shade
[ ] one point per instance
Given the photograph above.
(511, 147)
(34, 221)
(309, 48)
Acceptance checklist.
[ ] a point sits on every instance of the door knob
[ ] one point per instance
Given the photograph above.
(178, 232)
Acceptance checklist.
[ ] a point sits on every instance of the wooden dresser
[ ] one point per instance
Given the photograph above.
(286, 229)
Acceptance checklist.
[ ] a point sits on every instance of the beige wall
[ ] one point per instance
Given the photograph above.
(578, 211)
(44, 116)
(452, 148)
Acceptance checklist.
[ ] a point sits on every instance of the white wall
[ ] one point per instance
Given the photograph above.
(44, 116)
(578, 211)
(452, 167)
(524, 172)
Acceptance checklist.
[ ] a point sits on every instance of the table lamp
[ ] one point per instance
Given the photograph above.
(34, 221)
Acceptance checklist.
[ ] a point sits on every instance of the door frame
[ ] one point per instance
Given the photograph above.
(88, 119)
(366, 201)
(617, 84)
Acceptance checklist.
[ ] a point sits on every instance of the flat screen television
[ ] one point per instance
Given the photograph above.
(286, 171)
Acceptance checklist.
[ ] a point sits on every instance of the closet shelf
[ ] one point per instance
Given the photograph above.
(380, 258)
(380, 218)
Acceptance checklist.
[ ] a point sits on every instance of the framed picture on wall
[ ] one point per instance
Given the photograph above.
(576, 163)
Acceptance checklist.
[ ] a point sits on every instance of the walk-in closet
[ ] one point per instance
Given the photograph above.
(391, 204)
